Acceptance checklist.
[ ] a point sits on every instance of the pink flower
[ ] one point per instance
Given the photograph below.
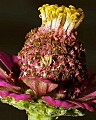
(51, 64)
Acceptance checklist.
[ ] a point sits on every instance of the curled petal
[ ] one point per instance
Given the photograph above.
(57, 103)
(88, 97)
(39, 85)
(82, 105)
(77, 103)
(67, 103)
(8, 60)
(88, 107)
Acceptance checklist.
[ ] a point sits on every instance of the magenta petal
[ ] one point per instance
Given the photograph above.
(77, 103)
(4, 84)
(66, 103)
(39, 85)
(57, 103)
(88, 96)
(83, 105)
(4, 93)
(88, 107)
(7, 86)
(7, 60)
(14, 59)
(20, 96)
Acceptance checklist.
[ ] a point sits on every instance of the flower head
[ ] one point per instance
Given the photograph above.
(50, 69)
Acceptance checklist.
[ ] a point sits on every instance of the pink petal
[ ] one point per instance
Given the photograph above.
(89, 96)
(88, 107)
(67, 103)
(7, 86)
(83, 105)
(57, 103)
(4, 93)
(4, 84)
(20, 96)
(39, 85)
(77, 103)
(8, 60)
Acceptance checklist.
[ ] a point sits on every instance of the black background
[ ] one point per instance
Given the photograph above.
(17, 17)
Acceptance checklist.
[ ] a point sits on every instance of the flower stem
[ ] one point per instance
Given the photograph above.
(35, 116)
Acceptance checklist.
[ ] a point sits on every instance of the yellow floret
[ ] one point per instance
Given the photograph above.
(55, 17)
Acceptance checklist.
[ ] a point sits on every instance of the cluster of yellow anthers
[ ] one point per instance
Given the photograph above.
(67, 17)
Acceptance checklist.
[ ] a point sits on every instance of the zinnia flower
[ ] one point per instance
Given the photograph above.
(49, 78)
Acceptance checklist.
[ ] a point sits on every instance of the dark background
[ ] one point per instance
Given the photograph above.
(17, 17)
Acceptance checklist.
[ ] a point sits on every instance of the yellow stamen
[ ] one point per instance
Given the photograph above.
(46, 60)
(67, 17)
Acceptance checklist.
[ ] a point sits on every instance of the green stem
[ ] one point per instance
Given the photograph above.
(35, 116)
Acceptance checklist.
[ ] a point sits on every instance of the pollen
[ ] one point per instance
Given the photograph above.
(55, 17)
